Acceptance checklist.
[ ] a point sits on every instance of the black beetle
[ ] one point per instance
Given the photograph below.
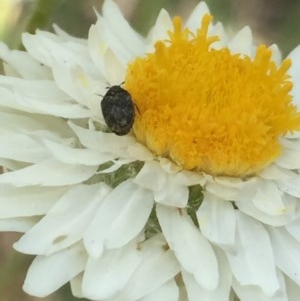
(118, 110)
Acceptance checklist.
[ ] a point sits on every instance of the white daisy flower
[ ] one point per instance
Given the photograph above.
(200, 201)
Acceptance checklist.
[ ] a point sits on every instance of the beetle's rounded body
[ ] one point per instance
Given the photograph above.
(118, 110)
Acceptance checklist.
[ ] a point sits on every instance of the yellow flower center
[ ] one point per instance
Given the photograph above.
(208, 109)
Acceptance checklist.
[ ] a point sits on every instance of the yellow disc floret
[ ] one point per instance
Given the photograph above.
(208, 109)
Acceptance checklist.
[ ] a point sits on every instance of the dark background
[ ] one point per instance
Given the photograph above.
(272, 21)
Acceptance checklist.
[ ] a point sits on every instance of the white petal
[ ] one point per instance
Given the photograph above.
(103, 39)
(151, 176)
(221, 293)
(286, 251)
(169, 167)
(10, 164)
(50, 49)
(55, 107)
(140, 152)
(75, 155)
(78, 84)
(121, 216)
(65, 223)
(188, 178)
(129, 39)
(251, 292)
(217, 220)
(8, 99)
(76, 286)
(104, 142)
(115, 70)
(248, 208)
(294, 229)
(157, 267)
(224, 192)
(290, 186)
(97, 47)
(276, 54)
(31, 151)
(294, 71)
(194, 20)
(192, 250)
(9, 70)
(37, 126)
(274, 172)
(266, 202)
(34, 201)
(48, 273)
(293, 144)
(33, 88)
(48, 173)
(172, 194)
(160, 29)
(64, 36)
(235, 182)
(295, 134)
(24, 64)
(116, 165)
(268, 198)
(40, 96)
(242, 42)
(168, 291)
(218, 30)
(18, 224)
(253, 263)
(289, 159)
(293, 290)
(106, 276)
(36, 45)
